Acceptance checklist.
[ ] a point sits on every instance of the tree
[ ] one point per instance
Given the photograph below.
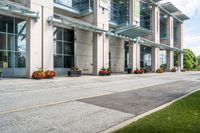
(190, 60)
(175, 58)
(198, 60)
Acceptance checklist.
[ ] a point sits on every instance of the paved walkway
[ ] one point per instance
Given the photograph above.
(86, 104)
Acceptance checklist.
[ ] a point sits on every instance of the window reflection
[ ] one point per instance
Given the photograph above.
(163, 58)
(145, 57)
(63, 48)
(12, 42)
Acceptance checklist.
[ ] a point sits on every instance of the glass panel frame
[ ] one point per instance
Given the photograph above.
(12, 44)
(64, 48)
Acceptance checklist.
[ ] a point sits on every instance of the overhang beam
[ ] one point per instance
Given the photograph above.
(69, 21)
(18, 9)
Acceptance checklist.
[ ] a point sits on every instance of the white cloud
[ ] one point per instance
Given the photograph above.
(192, 42)
(191, 35)
(196, 50)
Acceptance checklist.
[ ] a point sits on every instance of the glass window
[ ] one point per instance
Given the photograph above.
(57, 33)
(7, 59)
(20, 26)
(20, 43)
(68, 48)
(145, 57)
(3, 45)
(59, 47)
(58, 61)
(2, 24)
(68, 61)
(163, 58)
(68, 35)
(20, 60)
(10, 25)
(12, 42)
(64, 48)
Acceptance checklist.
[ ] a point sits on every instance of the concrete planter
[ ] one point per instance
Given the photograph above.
(74, 73)
(130, 71)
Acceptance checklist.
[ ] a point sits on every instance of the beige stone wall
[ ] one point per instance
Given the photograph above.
(84, 50)
(40, 37)
(117, 51)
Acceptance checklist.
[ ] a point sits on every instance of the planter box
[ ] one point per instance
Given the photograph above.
(74, 73)
(130, 70)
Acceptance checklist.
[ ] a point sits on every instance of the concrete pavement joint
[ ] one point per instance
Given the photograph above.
(65, 101)
(49, 104)
(38, 90)
(134, 119)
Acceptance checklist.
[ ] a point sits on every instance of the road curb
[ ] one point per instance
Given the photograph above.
(134, 119)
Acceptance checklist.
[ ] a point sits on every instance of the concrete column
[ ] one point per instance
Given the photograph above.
(134, 51)
(134, 13)
(47, 34)
(132, 55)
(155, 37)
(101, 41)
(170, 42)
(40, 38)
(180, 55)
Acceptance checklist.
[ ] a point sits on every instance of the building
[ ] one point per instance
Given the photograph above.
(90, 34)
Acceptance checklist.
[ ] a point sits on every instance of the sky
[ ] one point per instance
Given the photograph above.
(191, 27)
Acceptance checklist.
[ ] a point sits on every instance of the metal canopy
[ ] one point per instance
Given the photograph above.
(133, 31)
(147, 42)
(16, 8)
(120, 36)
(170, 7)
(166, 10)
(69, 21)
(181, 16)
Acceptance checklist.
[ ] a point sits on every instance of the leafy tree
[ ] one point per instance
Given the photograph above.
(190, 60)
(175, 58)
(198, 60)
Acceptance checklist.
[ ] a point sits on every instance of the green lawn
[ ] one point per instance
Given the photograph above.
(181, 117)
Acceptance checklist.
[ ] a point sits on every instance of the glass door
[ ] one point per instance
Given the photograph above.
(12, 46)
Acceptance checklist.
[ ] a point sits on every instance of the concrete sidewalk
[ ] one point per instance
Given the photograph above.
(86, 104)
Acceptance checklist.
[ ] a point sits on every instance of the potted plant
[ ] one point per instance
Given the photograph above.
(109, 71)
(50, 74)
(39, 74)
(183, 70)
(173, 69)
(74, 72)
(137, 71)
(103, 72)
(129, 70)
(160, 70)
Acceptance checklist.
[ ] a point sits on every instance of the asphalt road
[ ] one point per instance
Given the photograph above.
(86, 104)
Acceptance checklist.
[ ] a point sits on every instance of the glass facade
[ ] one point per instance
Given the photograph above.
(12, 45)
(176, 37)
(145, 15)
(119, 12)
(63, 48)
(163, 26)
(145, 58)
(163, 59)
(79, 5)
